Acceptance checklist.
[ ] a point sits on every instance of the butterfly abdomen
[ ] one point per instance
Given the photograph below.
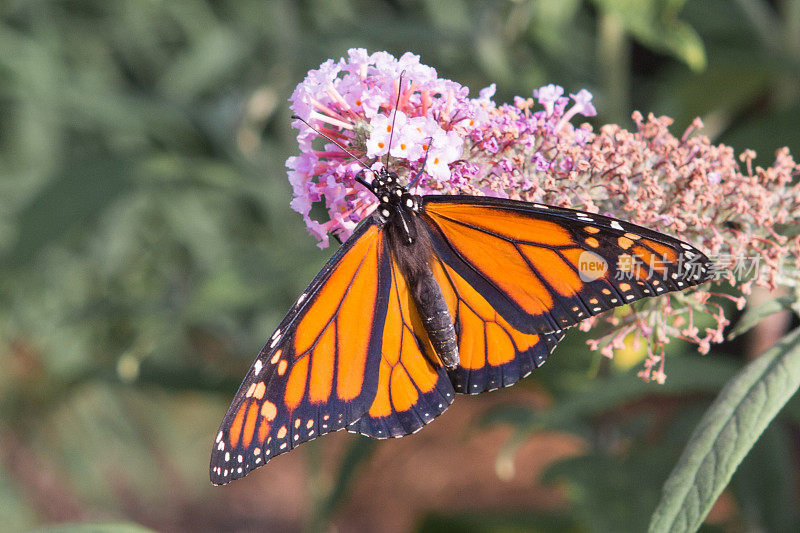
(436, 318)
(413, 256)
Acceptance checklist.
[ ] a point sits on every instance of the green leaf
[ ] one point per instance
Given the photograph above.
(725, 434)
(655, 24)
(754, 315)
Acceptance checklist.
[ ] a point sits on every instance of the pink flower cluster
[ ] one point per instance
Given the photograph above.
(530, 150)
(353, 102)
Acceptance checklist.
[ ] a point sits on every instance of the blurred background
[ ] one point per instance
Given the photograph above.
(147, 250)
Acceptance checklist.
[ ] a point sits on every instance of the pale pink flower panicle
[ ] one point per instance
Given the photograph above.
(353, 101)
(531, 150)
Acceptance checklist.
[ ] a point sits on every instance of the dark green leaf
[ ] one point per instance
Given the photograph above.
(725, 435)
(656, 25)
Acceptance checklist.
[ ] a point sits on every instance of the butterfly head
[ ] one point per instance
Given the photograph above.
(394, 198)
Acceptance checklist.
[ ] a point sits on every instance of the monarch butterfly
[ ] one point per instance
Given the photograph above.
(434, 295)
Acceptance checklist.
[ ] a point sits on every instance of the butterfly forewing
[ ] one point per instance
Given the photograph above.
(319, 371)
(544, 269)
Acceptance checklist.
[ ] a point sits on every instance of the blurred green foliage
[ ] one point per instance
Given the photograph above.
(147, 248)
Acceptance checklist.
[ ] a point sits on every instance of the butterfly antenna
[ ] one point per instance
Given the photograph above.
(358, 177)
(413, 181)
(334, 141)
(394, 116)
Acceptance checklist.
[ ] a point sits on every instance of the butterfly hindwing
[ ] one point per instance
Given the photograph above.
(319, 371)
(413, 388)
(492, 352)
(544, 268)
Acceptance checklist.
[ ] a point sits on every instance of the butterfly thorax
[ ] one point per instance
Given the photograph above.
(397, 206)
(412, 250)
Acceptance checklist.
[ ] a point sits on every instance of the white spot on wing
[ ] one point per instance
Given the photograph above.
(275, 339)
(256, 369)
(616, 225)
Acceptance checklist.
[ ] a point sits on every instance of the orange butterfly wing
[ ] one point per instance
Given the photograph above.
(413, 388)
(539, 266)
(319, 371)
(492, 353)
(352, 353)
